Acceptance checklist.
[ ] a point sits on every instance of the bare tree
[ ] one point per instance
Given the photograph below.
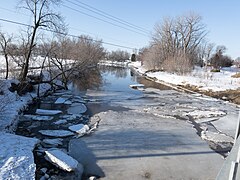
(219, 60)
(43, 17)
(5, 41)
(182, 35)
(118, 55)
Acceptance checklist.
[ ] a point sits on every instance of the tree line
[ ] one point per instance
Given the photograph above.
(180, 43)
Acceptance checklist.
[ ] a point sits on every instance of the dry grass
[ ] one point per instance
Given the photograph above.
(237, 75)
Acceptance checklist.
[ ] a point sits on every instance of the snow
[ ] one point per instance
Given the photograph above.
(196, 114)
(114, 63)
(200, 77)
(16, 158)
(216, 137)
(61, 160)
(56, 133)
(47, 112)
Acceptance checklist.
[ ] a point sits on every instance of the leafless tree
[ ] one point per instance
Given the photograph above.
(219, 60)
(5, 41)
(118, 55)
(182, 35)
(72, 57)
(43, 17)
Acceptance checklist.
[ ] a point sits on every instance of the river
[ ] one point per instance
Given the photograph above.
(142, 134)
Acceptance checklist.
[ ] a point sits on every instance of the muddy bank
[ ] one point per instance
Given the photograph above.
(232, 96)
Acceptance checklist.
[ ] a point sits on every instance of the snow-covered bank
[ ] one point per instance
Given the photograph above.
(200, 77)
(16, 157)
(114, 63)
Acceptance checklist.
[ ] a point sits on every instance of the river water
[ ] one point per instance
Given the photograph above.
(102, 90)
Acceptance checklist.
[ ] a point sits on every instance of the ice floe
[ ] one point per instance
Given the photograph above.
(56, 133)
(79, 128)
(61, 100)
(42, 118)
(55, 142)
(47, 112)
(77, 108)
(61, 160)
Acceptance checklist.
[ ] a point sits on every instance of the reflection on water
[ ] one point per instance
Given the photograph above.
(108, 87)
(116, 79)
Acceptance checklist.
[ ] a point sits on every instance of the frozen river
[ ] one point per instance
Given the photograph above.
(153, 132)
(146, 132)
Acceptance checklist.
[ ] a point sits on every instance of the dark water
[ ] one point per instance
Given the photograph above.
(111, 84)
(113, 79)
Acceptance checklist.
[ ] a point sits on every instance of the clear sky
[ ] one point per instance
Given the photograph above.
(222, 18)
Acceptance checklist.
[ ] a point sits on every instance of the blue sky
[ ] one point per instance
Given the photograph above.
(221, 17)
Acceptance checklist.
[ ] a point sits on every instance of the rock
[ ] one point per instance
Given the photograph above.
(79, 128)
(77, 108)
(42, 118)
(62, 121)
(61, 160)
(47, 112)
(54, 142)
(61, 100)
(56, 133)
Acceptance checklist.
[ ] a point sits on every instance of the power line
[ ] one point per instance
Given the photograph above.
(83, 31)
(108, 16)
(100, 19)
(65, 34)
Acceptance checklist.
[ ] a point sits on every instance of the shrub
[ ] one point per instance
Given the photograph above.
(237, 75)
(215, 70)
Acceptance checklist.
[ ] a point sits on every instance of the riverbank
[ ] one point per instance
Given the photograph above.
(222, 85)
(16, 152)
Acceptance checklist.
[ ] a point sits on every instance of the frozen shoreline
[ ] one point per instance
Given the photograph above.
(17, 161)
(204, 79)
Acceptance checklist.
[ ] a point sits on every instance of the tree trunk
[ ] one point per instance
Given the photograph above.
(7, 69)
(26, 65)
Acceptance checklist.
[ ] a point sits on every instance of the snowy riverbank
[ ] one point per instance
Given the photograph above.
(222, 85)
(200, 77)
(16, 156)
